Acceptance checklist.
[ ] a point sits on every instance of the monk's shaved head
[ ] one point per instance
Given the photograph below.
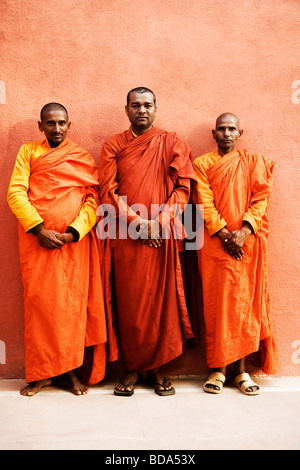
(225, 116)
(51, 107)
(140, 89)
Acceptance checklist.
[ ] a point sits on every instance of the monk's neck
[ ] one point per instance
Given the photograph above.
(225, 152)
(138, 132)
(54, 145)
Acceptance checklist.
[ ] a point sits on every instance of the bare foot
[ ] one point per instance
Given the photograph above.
(34, 387)
(70, 380)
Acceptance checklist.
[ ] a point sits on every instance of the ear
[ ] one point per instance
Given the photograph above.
(69, 125)
(126, 110)
(40, 124)
(213, 133)
(241, 133)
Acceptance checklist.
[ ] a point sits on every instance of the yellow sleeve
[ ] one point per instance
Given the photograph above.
(202, 194)
(261, 182)
(255, 213)
(17, 196)
(86, 218)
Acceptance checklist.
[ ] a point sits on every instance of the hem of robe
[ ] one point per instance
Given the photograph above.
(54, 368)
(153, 365)
(264, 347)
(90, 370)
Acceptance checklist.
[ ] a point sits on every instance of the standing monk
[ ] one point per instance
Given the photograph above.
(234, 186)
(53, 193)
(141, 169)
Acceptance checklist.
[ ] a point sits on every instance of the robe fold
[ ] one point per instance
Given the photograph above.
(152, 169)
(236, 299)
(63, 291)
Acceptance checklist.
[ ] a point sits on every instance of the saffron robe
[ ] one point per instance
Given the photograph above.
(153, 168)
(236, 300)
(63, 293)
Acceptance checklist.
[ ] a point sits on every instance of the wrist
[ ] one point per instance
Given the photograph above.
(37, 229)
(223, 232)
(75, 234)
(247, 228)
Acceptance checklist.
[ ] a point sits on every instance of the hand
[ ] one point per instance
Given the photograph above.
(224, 236)
(49, 239)
(233, 245)
(65, 237)
(150, 231)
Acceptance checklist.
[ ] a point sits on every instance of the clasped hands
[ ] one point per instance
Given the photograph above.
(52, 240)
(232, 242)
(150, 232)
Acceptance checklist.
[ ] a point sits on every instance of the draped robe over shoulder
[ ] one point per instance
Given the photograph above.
(63, 295)
(237, 307)
(154, 168)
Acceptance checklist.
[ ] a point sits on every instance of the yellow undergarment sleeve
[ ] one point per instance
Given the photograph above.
(17, 196)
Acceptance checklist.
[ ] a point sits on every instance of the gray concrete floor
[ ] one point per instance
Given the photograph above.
(55, 419)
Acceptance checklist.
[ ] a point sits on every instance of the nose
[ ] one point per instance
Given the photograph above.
(142, 109)
(226, 132)
(56, 127)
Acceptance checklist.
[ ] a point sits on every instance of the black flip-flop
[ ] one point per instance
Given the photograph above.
(164, 392)
(124, 393)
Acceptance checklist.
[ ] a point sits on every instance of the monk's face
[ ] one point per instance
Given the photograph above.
(227, 133)
(55, 125)
(141, 111)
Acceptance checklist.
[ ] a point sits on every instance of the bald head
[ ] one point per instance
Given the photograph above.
(228, 116)
(227, 132)
(52, 107)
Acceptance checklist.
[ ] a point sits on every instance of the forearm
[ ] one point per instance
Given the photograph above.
(85, 220)
(18, 200)
(175, 203)
(255, 214)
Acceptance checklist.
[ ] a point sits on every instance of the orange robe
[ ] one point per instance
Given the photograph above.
(63, 295)
(153, 168)
(236, 301)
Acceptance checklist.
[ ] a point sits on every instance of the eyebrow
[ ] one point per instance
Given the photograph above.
(141, 102)
(53, 120)
(230, 125)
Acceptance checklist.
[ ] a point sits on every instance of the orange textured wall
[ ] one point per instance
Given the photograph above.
(201, 58)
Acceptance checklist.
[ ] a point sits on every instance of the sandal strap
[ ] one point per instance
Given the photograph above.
(164, 383)
(243, 377)
(216, 376)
